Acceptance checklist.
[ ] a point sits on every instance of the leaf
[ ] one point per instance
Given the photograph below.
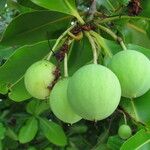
(1, 145)
(18, 91)
(78, 129)
(146, 11)
(135, 35)
(135, 108)
(28, 131)
(28, 3)
(137, 141)
(15, 5)
(36, 107)
(141, 49)
(28, 31)
(31, 148)
(114, 142)
(79, 55)
(6, 52)
(2, 131)
(53, 132)
(2, 4)
(11, 134)
(102, 43)
(14, 68)
(64, 6)
(48, 148)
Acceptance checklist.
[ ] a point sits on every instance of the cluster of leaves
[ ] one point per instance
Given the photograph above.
(27, 123)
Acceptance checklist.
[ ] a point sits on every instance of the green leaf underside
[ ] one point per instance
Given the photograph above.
(137, 141)
(23, 30)
(53, 132)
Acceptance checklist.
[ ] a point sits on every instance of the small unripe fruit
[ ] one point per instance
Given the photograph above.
(94, 92)
(38, 77)
(59, 103)
(133, 71)
(124, 131)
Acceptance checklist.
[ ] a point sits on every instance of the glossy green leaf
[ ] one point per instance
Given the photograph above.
(2, 131)
(23, 30)
(36, 107)
(28, 3)
(53, 132)
(138, 108)
(141, 49)
(64, 6)
(137, 141)
(14, 5)
(13, 70)
(28, 131)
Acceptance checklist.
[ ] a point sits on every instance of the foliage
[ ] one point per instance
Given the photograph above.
(31, 30)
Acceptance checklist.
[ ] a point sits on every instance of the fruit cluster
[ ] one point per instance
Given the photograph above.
(94, 91)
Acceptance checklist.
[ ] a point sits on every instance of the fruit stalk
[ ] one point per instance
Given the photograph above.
(113, 35)
(66, 66)
(125, 119)
(93, 47)
(59, 40)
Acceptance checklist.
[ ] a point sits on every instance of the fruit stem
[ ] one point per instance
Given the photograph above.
(58, 41)
(100, 41)
(124, 115)
(113, 35)
(93, 45)
(66, 65)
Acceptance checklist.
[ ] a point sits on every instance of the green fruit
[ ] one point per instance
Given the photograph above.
(38, 77)
(94, 92)
(133, 71)
(124, 131)
(59, 103)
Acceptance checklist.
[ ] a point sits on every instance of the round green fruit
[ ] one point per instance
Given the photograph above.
(38, 77)
(124, 131)
(94, 92)
(59, 103)
(133, 71)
